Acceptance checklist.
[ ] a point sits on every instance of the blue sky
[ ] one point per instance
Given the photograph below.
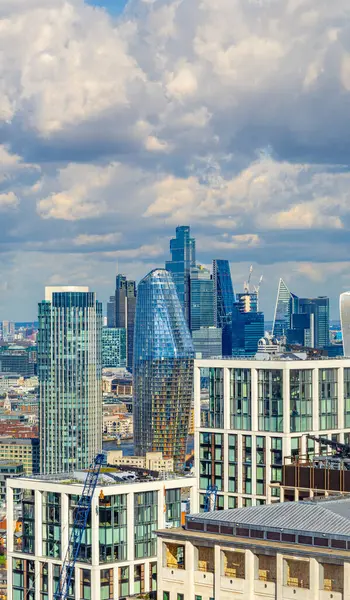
(115, 7)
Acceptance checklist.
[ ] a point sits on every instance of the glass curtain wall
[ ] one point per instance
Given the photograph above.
(240, 399)
(301, 400)
(113, 528)
(270, 399)
(328, 398)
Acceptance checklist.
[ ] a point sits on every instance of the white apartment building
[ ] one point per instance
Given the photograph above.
(292, 550)
(250, 415)
(118, 555)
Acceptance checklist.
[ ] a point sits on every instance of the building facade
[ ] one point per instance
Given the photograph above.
(8, 469)
(125, 306)
(16, 359)
(69, 370)
(318, 309)
(224, 296)
(118, 554)
(280, 552)
(113, 347)
(281, 319)
(201, 298)
(183, 259)
(163, 369)
(207, 342)
(252, 414)
(23, 451)
(345, 321)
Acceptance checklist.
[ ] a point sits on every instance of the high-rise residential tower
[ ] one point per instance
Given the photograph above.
(163, 369)
(183, 259)
(345, 321)
(281, 320)
(201, 298)
(224, 296)
(125, 306)
(69, 371)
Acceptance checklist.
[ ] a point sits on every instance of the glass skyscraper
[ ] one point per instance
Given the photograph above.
(69, 371)
(345, 321)
(113, 347)
(201, 298)
(124, 306)
(281, 320)
(319, 308)
(183, 259)
(224, 296)
(163, 369)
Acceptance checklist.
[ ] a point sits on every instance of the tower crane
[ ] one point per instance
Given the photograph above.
(247, 283)
(341, 450)
(81, 516)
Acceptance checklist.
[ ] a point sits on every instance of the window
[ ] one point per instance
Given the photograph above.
(240, 398)
(28, 529)
(346, 397)
(85, 548)
(113, 528)
(23, 579)
(123, 577)
(328, 398)
(211, 454)
(180, 597)
(52, 524)
(300, 400)
(270, 399)
(166, 595)
(173, 507)
(212, 415)
(232, 465)
(260, 465)
(145, 524)
(85, 584)
(247, 464)
(106, 584)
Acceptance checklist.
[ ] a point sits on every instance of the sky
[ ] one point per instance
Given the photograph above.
(118, 124)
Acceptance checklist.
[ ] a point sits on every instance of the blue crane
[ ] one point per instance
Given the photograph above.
(81, 516)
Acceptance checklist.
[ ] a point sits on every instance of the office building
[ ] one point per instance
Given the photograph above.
(319, 308)
(302, 330)
(207, 342)
(289, 550)
(69, 371)
(8, 331)
(163, 369)
(9, 469)
(125, 306)
(224, 296)
(248, 302)
(183, 259)
(19, 360)
(24, 451)
(283, 309)
(252, 414)
(118, 554)
(345, 321)
(113, 347)
(247, 330)
(111, 312)
(201, 298)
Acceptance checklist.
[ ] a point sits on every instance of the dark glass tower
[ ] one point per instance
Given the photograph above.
(201, 298)
(319, 308)
(125, 306)
(163, 369)
(224, 296)
(283, 309)
(69, 371)
(183, 259)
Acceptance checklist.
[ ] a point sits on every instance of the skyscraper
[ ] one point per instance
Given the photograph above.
(113, 347)
(345, 321)
(111, 312)
(319, 308)
(69, 371)
(224, 296)
(163, 369)
(183, 259)
(201, 298)
(247, 330)
(281, 320)
(125, 306)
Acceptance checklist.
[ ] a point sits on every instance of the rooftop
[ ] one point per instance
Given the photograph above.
(312, 519)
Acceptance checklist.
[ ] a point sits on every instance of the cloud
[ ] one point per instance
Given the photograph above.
(231, 116)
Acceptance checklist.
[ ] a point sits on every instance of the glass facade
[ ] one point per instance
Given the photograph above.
(113, 528)
(124, 305)
(51, 524)
(173, 507)
(28, 526)
(240, 399)
(183, 259)
(232, 463)
(113, 347)
(85, 548)
(201, 299)
(260, 466)
(224, 296)
(211, 456)
(319, 308)
(328, 398)
(270, 399)
(145, 523)
(163, 370)
(300, 400)
(69, 371)
(23, 579)
(281, 321)
(346, 397)
(214, 416)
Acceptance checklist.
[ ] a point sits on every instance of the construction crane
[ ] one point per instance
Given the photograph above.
(341, 450)
(257, 287)
(247, 283)
(210, 498)
(81, 516)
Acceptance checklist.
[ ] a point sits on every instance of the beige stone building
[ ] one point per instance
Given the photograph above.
(153, 461)
(281, 551)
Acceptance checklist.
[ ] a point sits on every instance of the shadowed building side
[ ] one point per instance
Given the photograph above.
(345, 321)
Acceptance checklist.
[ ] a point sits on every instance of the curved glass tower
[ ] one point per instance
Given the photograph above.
(224, 296)
(281, 320)
(163, 369)
(345, 321)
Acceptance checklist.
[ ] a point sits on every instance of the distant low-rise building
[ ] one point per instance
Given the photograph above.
(153, 461)
(23, 451)
(119, 424)
(9, 469)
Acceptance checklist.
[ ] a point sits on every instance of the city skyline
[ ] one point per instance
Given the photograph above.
(104, 171)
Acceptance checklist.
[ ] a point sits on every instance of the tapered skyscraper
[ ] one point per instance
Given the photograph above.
(183, 259)
(69, 370)
(345, 321)
(163, 369)
(224, 296)
(281, 320)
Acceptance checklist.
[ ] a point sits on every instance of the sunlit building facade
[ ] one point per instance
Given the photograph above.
(69, 371)
(183, 259)
(163, 369)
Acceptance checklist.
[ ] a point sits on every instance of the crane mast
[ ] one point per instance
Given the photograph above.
(341, 450)
(81, 516)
